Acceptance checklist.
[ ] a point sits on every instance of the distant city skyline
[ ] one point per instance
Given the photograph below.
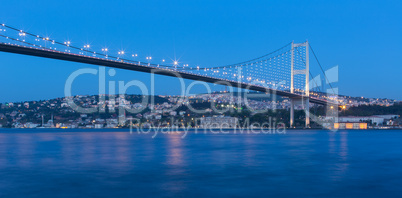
(348, 34)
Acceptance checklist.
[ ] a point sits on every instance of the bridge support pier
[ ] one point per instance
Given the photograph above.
(306, 107)
(307, 111)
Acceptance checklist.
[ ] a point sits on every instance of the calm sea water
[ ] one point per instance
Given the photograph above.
(100, 163)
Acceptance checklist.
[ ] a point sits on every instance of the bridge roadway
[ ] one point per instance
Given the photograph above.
(53, 54)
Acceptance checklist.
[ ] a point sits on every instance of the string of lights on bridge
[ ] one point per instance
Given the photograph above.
(271, 70)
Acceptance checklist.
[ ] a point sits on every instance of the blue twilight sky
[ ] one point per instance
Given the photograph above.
(363, 37)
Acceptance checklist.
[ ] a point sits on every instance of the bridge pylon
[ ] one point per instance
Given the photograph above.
(305, 99)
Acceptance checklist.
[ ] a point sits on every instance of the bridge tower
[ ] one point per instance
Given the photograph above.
(306, 72)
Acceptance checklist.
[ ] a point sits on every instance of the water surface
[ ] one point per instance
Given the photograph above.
(115, 163)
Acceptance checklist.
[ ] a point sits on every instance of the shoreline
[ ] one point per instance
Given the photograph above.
(194, 129)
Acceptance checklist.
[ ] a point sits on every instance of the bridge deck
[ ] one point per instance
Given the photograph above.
(53, 54)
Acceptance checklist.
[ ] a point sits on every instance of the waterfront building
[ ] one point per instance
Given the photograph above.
(375, 120)
(350, 125)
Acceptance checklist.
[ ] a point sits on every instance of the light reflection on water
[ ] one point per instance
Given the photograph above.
(57, 163)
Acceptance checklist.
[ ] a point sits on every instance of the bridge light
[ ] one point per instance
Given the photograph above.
(163, 60)
(175, 62)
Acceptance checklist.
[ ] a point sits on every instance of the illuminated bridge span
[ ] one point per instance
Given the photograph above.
(284, 72)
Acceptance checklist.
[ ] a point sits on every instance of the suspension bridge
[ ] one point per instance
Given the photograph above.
(284, 72)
